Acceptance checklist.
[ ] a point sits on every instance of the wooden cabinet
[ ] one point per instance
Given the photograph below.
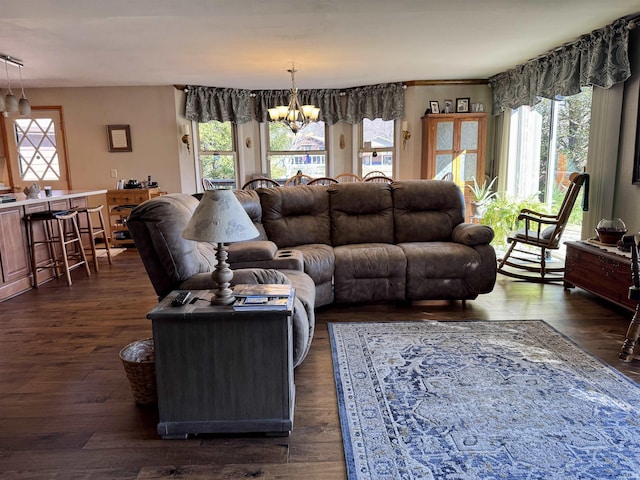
(119, 205)
(14, 254)
(456, 143)
(603, 272)
(222, 371)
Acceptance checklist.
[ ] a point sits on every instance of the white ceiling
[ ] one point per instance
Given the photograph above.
(251, 43)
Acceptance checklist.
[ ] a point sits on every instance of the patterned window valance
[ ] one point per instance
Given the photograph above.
(328, 101)
(222, 104)
(384, 101)
(597, 59)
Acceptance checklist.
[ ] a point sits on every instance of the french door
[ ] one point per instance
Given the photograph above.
(36, 149)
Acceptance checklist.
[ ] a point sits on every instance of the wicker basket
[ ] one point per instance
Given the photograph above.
(140, 366)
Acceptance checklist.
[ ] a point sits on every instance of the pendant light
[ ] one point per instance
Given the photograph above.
(24, 107)
(10, 100)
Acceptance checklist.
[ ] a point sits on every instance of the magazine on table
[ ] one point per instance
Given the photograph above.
(263, 297)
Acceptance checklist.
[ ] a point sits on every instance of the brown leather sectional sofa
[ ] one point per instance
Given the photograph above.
(344, 243)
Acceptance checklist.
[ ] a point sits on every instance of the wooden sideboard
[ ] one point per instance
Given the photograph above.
(603, 271)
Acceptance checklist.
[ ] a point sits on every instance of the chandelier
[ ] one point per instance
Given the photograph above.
(294, 115)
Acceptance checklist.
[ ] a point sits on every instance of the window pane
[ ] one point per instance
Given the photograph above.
(219, 167)
(283, 167)
(377, 133)
(216, 136)
(36, 145)
(282, 139)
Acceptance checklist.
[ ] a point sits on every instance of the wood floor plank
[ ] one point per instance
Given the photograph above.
(67, 412)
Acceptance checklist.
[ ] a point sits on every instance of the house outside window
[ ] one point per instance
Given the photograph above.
(289, 154)
(217, 153)
(377, 146)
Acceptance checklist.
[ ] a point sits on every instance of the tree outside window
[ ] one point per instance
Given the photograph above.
(217, 152)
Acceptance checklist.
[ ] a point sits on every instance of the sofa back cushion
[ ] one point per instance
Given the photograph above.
(250, 201)
(295, 215)
(426, 210)
(361, 213)
(156, 226)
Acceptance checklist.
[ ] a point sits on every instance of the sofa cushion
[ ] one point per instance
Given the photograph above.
(426, 210)
(472, 234)
(369, 272)
(319, 261)
(295, 215)
(361, 213)
(251, 251)
(446, 270)
(250, 201)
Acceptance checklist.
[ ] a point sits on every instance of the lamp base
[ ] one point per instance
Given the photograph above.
(222, 276)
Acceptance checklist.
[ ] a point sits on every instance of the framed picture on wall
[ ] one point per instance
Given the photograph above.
(435, 106)
(119, 138)
(462, 105)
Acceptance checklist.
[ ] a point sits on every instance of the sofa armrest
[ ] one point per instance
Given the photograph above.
(251, 251)
(471, 234)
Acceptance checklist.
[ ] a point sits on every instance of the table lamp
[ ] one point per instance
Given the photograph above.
(220, 218)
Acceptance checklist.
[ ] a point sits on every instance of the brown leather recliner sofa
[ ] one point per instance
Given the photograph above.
(363, 242)
(344, 243)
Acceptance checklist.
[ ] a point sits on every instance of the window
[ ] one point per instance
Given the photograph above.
(217, 153)
(546, 143)
(37, 149)
(377, 146)
(290, 154)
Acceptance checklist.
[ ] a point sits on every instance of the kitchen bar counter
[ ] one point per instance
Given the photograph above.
(15, 267)
(21, 198)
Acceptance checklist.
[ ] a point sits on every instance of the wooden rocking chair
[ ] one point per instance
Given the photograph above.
(541, 231)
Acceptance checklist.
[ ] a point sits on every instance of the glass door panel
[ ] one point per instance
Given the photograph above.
(469, 135)
(444, 136)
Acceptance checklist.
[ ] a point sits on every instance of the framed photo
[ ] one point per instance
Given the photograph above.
(435, 106)
(448, 106)
(119, 137)
(462, 105)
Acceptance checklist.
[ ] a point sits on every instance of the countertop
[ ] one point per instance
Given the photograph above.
(21, 198)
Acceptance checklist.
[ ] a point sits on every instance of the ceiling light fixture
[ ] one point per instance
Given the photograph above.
(294, 115)
(11, 103)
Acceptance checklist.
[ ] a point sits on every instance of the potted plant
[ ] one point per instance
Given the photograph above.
(482, 195)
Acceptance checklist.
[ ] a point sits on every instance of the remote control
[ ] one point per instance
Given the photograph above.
(181, 299)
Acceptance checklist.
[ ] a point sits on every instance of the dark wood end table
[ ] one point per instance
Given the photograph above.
(222, 371)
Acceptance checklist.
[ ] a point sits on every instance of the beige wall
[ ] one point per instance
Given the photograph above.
(627, 195)
(155, 134)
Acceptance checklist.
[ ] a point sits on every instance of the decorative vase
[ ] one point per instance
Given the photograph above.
(478, 209)
(33, 191)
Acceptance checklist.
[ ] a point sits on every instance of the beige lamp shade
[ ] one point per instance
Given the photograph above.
(220, 218)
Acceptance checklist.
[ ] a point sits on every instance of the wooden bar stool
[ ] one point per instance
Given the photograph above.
(93, 231)
(59, 240)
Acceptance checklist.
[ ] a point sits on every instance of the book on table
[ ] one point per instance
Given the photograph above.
(263, 297)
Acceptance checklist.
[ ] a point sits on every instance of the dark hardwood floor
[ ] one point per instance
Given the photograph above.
(66, 411)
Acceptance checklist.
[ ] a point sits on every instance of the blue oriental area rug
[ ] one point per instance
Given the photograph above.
(480, 400)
